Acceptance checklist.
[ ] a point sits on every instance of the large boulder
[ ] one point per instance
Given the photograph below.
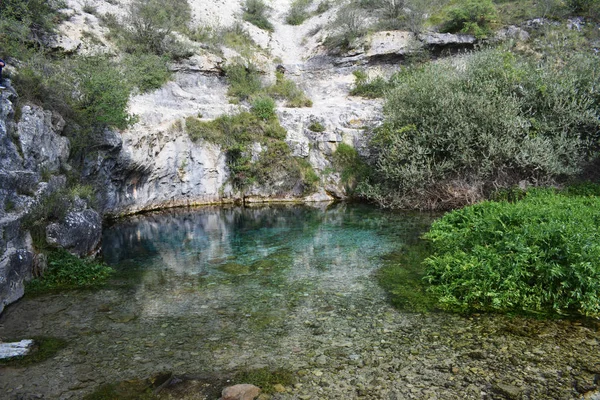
(79, 233)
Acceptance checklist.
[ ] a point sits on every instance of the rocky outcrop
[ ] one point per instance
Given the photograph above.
(79, 233)
(29, 148)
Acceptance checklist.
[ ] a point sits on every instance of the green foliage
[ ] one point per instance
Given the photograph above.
(298, 13)
(368, 87)
(350, 165)
(44, 348)
(244, 81)
(316, 127)
(103, 94)
(151, 22)
(498, 120)
(255, 12)
(323, 6)
(265, 378)
(66, 271)
(263, 107)
(472, 16)
(147, 72)
(582, 189)
(23, 24)
(539, 254)
(348, 26)
(287, 89)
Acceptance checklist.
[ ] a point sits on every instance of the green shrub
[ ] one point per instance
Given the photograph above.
(265, 378)
(255, 12)
(264, 108)
(323, 6)
(316, 127)
(151, 22)
(451, 135)
(65, 271)
(472, 16)
(539, 254)
(103, 93)
(368, 87)
(350, 165)
(244, 81)
(348, 26)
(298, 13)
(147, 72)
(287, 89)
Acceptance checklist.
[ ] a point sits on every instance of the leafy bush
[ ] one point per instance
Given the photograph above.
(255, 12)
(472, 16)
(103, 93)
(244, 81)
(264, 108)
(452, 134)
(151, 22)
(65, 271)
(23, 24)
(147, 72)
(539, 254)
(348, 26)
(350, 165)
(298, 13)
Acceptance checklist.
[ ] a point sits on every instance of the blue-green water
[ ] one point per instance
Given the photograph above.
(281, 252)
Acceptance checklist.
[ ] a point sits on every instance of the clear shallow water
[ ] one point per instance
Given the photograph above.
(265, 261)
(217, 290)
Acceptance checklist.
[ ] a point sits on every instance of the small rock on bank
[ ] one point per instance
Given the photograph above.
(240, 392)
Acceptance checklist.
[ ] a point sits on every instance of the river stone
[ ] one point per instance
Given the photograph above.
(243, 391)
(510, 391)
(15, 349)
(79, 233)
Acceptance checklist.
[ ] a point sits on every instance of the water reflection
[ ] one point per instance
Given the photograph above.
(251, 257)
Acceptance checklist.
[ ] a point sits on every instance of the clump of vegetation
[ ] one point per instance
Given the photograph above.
(255, 12)
(350, 165)
(475, 17)
(316, 126)
(288, 90)
(44, 348)
(365, 86)
(298, 12)
(146, 72)
(150, 24)
(265, 378)
(537, 254)
(264, 108)
(452, 135)
(66, 271)
(244, 81)
(348, 26)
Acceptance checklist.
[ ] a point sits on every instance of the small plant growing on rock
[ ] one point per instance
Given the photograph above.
(298, 14)
(316, 126)
(255, 12)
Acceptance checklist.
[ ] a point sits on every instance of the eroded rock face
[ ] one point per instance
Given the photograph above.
(42, 146)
